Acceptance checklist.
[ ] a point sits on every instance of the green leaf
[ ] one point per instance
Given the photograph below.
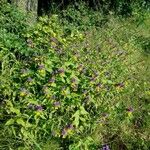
(21, 122)
(10, 122)
(76, 118)
(25, 133)
(53, 84)
(83, 111)
(15, 110)
(63, 80)
(12, 109)
(109, 82)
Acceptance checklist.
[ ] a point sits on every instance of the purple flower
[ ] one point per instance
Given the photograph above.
(105, 147)
(107, 87)
(87, 99)
(56, 104)
(64, 132)
(52, 80)
(130, 109)
(23, 92)
(38, 107)
(61, 70)
(96, 74)
(85, 92)
(99, 85)
(59, 51)
(75, 87)
(69, 127)
(105, 115)
(80, 67)
(41, 67)
(92, 79)
(73, 80)
(45, 89)
(84, 70)
(63, 88)
(120, 85)
(23, 71)
(29, 79)
(54, 40)
(120, 52)
(107, 74)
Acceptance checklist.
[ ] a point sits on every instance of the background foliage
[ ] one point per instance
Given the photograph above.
(78, 79)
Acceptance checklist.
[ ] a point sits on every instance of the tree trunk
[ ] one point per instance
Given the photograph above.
(29, 7)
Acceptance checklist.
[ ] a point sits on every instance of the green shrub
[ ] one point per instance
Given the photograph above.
(11, 19)
(81, 17)
(45, 96)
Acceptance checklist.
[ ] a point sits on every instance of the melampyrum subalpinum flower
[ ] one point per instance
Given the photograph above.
(80, 67)
(120, 52)
(59, 51)
(29, 79)
(30, 43)
(119, 85)
(84, 92)
(84, 71)
(57, 104)
(105, 147)
(24, 72)
(129, 111)
(73, 80)
(107, 74)
(87, 99)
(74, 87)
(67, 130)
(105, 115)
(64, 133)
(53, 39)
(23, 92)
(61, 71)
(41, 67)
(96, 74)
(45, 89)
(98, 87)
(70, 127)
(38, 108)
(93, 79)
(52, 80)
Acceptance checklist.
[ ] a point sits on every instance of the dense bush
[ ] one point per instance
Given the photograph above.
(119, 7)
(42, 94)
(80, 17)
